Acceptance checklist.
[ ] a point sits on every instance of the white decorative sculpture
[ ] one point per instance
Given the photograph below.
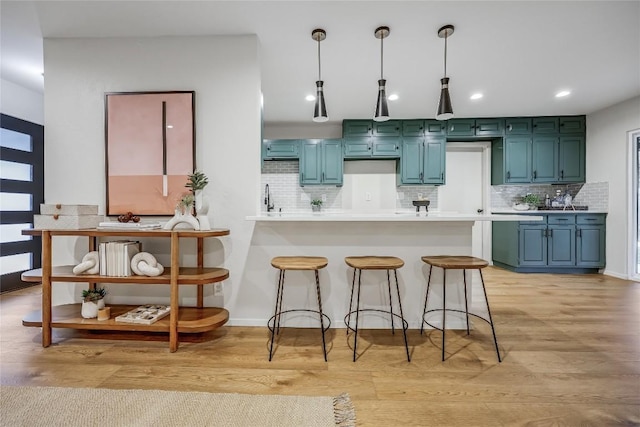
(202, 210)
(145, 264)
(90, 264)
(183, 214)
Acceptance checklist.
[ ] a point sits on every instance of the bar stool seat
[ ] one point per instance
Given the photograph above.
(388, 263)
(284, 263)
(458, 262)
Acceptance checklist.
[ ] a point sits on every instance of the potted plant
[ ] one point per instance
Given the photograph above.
(92, 301)
(532, 200)
(196, 182)
(316, 204)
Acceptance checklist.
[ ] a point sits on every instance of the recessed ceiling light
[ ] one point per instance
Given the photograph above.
(393, 97)
(476, 96)
(562, 93)
(310, 98)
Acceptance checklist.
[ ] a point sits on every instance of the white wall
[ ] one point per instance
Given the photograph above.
(20, 102)
(607, 152)
(225, 75)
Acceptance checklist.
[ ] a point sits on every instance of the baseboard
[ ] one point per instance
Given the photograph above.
(614, 274)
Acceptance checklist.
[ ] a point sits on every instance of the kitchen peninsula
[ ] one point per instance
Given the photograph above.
(336, 235)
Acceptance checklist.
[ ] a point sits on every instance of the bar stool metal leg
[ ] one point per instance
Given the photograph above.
(426, 298)
(281, 286)
(444, 307)
(355, 340)
(276, 312)
(353, 284)
(393, 331)
(404, 329)
(324, 345)
(466, 301)
(495, 340)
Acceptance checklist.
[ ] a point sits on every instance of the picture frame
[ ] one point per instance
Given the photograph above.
(149, 150)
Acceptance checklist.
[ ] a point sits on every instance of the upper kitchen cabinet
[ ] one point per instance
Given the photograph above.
(475, 127)
(364, 128)
(383, 147)
(422, 161)
(423, 127)
(274, 149)
(572, 124)
(321, 162)
(517, 126)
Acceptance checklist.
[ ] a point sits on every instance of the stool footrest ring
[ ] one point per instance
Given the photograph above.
(440, 310)
(271, 321)
(405, 324)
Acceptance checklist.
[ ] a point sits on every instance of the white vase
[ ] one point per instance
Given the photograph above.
(90, 309)
(202, 210)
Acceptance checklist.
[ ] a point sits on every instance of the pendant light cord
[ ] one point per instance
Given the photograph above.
(319, 68)
(445, 54)
(381, 57)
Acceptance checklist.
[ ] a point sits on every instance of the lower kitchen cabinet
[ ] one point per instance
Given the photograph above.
(321, 162)
(560, 243)
(422, 161)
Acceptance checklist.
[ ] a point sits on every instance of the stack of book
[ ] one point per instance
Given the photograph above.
(143, 225)
(115, 257)
(145, 314)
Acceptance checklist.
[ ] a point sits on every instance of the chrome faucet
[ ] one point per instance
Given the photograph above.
(267, 199)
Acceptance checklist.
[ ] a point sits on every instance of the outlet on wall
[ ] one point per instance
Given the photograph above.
(218, 290)
(367, 196)
(324, 197)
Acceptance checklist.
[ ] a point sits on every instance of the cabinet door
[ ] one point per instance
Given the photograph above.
(311, 162)
(357, 127)
(411, 161)
(357, 148)
(571, 159)
(413, 128)
(544, 153)
(517, 126)
(489, 127)
(517, 159)
(572, 124)
(561, 242)
(461, 127)
(332, 162)
(388, 147)
(590, 246)
(545, 125)
(281, 149)
(388, 128)
(434, 127)
(434, 161)
(532, 245)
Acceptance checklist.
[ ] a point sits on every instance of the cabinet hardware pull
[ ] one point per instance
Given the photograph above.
(551, 232)
(590, 219)
(268, 147)
(544, 232)
(579, 232)
(508, 175)
(562, 174)
(442, 176)
(535, 174)
(562, 219)
(322, 176)
(421, 175)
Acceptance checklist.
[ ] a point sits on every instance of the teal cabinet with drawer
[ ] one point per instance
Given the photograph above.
(475, 128)
(321, 162)
(363, 128)
(274, 149)
(426, 127)
(560, 243)
(518, 126)
(422, 161)
(363, 148)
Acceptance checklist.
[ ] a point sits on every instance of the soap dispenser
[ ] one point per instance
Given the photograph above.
(547, 200)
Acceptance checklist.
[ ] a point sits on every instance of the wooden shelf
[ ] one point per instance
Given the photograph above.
(186, 276)
(94, 232)
(190, 319)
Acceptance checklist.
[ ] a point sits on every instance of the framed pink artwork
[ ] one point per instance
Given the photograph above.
(150, 150)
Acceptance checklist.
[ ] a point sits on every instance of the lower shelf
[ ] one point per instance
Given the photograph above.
(190, 319)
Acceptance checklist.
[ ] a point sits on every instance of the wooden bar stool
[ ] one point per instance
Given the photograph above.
(359, 263)
(463, 263)
(284, 263)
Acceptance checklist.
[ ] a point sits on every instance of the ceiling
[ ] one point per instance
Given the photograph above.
(518, 53)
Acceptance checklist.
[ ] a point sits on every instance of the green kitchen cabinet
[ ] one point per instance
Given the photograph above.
(321, 162)
(382, 147)
(274, 149)
(475, 127)
(545, 125)
(544, 157)
(357, 128)
(560, 243)
(388, 128)
(427, 127)
(517, 126)
(517, 159)
(571, 159)
(572, 124)
(422, 161)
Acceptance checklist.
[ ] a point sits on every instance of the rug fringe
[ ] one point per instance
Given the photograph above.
(343, 411)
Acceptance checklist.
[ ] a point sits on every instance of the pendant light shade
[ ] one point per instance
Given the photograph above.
(445, 110)
(382, 110)
(320, 109)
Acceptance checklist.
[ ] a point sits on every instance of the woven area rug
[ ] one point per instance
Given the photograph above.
(62, 406)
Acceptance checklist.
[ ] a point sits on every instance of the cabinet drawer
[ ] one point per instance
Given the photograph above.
(543, 222)
(357, 128)
(591, 219)
(489, 127)
(561, 219)
(545, 125)
(388, 128)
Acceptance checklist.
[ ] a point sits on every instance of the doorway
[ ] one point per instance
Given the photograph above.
(634, 208)
(467, 189)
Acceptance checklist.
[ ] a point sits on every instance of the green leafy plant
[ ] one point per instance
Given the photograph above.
(531, 199)
(93, 294)
(187, 200)
(197, 181)
(316, 202)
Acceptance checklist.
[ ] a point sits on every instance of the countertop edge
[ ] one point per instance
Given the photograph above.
(337, 217)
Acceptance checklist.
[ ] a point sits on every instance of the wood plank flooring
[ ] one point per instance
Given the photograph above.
(570, 347)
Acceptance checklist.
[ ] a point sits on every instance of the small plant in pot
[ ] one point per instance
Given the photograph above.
(92, 301)
(316, 204)
(532, 200)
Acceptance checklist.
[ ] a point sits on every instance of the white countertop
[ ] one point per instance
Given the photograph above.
(387, 216)
(544, 212)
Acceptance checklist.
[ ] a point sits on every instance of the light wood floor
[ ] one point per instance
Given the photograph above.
(571, 347)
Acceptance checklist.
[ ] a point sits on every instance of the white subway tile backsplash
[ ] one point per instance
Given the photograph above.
(595, 195)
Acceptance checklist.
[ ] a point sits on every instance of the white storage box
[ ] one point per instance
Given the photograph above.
(66, 222)
(60, 209)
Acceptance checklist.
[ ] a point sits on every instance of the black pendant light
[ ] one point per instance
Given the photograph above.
(320, 110)
(382, 111)
(445, 110)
